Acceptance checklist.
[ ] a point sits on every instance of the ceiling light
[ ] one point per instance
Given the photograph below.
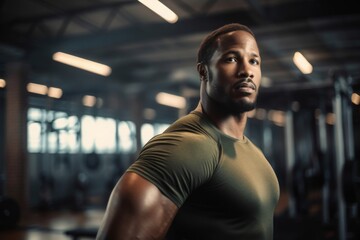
(149, 113)
(37, 88)
(260, 114)
(330, 118)
(303, 65)
(277, 117)
(89, 101)
(251, 113)
(160, 9)
(82, 63)
(55, 92)
(2, 83)
(171, 100)
(266, 82)
(355, 98)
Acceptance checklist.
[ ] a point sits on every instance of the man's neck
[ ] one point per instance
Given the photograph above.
(230, 124)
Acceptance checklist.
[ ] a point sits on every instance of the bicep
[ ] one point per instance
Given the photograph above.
(136, 209)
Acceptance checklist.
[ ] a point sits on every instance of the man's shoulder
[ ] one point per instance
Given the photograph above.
(190, 132)
(184, 138)
(194, 124)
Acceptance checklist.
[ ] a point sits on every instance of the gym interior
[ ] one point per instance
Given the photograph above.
(68, 132)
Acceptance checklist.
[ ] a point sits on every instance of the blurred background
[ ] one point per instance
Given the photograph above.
(85, 84)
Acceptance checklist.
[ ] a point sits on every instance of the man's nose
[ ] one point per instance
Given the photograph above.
(245, 70)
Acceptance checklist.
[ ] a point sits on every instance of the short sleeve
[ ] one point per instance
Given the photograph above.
(177, 163)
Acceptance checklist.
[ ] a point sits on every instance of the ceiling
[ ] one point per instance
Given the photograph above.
(148, 54)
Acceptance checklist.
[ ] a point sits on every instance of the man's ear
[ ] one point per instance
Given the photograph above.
(202, 69)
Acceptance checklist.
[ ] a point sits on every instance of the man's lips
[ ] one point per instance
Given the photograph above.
(244, 84)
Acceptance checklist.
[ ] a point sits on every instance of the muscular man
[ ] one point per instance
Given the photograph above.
(202, 178)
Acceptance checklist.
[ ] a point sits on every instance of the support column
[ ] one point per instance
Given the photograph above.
(15, 133)
(323, 145)
(137, 114)
(340, 158)
(290, 160)
(2, 141)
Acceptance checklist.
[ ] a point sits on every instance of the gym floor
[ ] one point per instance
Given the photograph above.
(54, 225)
(82, 225)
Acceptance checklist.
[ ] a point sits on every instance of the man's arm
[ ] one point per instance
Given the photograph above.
(136, 210)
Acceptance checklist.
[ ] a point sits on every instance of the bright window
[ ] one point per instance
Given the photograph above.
(127, 136)
(57, 132)
(88, 134)
(105, 129)
(98, 134)
(34, 137)
(150, 130)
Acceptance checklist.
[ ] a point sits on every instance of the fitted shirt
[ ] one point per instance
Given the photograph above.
(224, 187)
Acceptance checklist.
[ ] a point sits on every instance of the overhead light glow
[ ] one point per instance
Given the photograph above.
(355, 98)
(55, 92)
(302, 63)
(160, 9)
(330, 118)
(2, 83)
(260, 114)
(277, 117)
(82, 63)
(37, 88)
(89, 101)
(171, 100)
(251, 113)
(149, 113)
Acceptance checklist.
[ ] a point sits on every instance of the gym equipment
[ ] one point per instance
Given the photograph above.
(344, 150)
(350, 181)
(9, 212)
(92, 161)
(79, 233)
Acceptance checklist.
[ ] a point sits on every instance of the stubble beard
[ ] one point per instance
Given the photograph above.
(232, 107)
(229, 105)
(240, 107)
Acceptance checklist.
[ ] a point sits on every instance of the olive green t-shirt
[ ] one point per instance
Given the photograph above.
(224, 187)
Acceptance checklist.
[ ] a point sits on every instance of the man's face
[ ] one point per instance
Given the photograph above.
(234, 72)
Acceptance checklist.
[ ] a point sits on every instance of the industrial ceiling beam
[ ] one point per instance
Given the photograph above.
(286, 12)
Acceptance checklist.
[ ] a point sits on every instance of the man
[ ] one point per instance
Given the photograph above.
(202, 178)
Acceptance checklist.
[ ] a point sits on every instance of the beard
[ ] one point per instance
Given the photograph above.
(239, 107)
(244, 106)
(231, 106)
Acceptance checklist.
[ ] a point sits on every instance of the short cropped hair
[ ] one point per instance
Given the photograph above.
(207, 46)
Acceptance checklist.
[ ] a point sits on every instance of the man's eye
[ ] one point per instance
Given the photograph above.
(231, 59)
(254, 61)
